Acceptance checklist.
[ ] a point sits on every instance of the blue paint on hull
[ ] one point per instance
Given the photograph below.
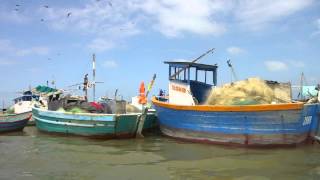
(14, 122)
(13, 126)
(264, 127)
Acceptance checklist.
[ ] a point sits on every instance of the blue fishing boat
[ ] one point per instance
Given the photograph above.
(183, 115)
(13, 122)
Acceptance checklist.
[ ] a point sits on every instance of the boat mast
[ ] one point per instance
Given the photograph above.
(94, 76)
(233, 73)
(301, 85)
(2, 106)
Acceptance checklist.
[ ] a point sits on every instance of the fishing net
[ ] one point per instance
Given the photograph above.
(72, 110)
(77, 110)
(132, 109)
(249, 92)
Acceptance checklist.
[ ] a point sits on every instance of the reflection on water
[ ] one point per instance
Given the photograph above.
(34, 155)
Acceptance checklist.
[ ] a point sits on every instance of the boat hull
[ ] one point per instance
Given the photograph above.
(14, 122)
(239, 126)
(94, 125)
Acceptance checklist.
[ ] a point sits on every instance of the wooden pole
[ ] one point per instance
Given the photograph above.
(94, 76)
(142, 118)
(301, 86)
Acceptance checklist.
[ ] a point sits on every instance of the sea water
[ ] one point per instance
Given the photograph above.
(34, 155)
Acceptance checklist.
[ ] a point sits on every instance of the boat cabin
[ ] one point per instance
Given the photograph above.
(190, 83)
(26, 96)
(25, 102)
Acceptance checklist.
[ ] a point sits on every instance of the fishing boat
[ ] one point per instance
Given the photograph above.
(92, 124)
(76, 116)
(13, 122)
(29, 98)
(184, 115)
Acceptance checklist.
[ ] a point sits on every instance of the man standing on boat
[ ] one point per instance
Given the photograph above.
(85, 86)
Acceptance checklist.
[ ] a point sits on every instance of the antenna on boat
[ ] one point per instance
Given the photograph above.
(86, 84)
(115, 94)
(233, 73)
(193, 61)
(94, 76)
(94, 82)
(3, 106)
(53, 82)
(302, 82)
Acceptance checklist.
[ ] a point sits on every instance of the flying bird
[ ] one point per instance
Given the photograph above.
(110, 4)
(16, 9)
(69, 14)
(42, 20)
(46, 6)
(17, 5)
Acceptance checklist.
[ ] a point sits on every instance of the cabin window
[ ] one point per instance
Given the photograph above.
(201, 76)
(36, 97)
(178, 73)
(182, 75)
(26, 98)
(192, 74)
(209, 77)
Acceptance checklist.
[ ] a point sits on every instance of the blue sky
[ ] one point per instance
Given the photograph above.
(274, 40)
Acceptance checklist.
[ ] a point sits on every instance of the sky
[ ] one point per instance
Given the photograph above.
(42, 40)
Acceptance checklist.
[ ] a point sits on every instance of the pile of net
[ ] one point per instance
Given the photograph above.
(250, 92)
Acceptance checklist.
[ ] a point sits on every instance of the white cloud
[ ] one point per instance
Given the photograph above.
(256, 14)
(98, 20)
(110, 64)
(276, 65)
(100, 45)
(233, 50)
(7, 48)
(174, 17)
(170, 17)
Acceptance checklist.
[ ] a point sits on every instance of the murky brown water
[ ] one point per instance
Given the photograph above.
(34, 155)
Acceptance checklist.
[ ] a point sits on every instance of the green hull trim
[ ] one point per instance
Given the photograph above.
(99, 125)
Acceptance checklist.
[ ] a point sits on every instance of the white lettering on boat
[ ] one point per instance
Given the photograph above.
(307, 120)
